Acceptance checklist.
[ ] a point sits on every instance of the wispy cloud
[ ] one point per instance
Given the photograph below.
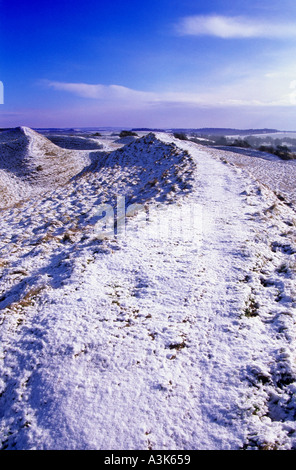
(103, 92)
(272, 88)
(121, 94)
(228, 27)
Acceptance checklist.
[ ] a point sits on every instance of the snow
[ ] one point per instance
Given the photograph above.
(174, 329)
(277, 174)
(30, 164)
(75, 142)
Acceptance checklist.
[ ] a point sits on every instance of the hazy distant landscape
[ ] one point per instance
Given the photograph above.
(264, 139)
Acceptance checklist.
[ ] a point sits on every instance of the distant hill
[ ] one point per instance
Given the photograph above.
(227, 131)
(147, 129)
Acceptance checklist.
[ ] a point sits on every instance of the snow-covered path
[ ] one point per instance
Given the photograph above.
(162, 342)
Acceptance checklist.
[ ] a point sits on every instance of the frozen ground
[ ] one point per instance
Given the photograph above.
(173, 329)
(30, 164)
(270, 170)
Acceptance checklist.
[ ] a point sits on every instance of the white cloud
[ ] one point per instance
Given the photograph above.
(268, 88)
(227, 27)
(103, 92)
(121, 94)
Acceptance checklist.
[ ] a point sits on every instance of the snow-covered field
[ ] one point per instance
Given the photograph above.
(147, 296)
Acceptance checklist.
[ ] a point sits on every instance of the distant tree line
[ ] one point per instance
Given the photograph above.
(180, 136)
(281, 151)
(128, 133)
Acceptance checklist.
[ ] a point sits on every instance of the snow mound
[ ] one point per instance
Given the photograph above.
(146, 170)
(30, 163)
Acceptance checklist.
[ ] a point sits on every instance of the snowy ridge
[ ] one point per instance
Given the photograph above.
(149, 339)
(146, 170)
(30, 163)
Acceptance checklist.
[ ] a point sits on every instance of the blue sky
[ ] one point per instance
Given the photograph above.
(163, 63)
